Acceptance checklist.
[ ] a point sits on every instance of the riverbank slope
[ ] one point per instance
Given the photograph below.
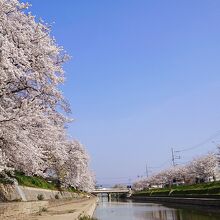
(210, 204)
(69, 211)
(202, 196)
(48, 210)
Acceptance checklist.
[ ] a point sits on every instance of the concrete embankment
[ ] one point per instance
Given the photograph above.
(66, 209)
(212, 204)
(23, 193)
(20, 202)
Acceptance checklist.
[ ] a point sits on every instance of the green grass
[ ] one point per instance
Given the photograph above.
(154, 192)
(5, 181)
(34, 181)
(199, 186)
(71, 189)
(212, 188)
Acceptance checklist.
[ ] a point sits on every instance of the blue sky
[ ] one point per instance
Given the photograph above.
(144, 77)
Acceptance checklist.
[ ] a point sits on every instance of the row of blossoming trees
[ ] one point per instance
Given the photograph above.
(33, 111)
(201, 169)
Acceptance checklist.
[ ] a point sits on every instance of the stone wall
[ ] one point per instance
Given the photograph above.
(9, 193)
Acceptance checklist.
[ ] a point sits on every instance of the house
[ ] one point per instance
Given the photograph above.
(217, 172)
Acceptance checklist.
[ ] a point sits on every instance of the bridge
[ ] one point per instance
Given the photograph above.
(110, 191)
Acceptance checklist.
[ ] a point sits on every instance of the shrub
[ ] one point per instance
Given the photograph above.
(40, 197)
(44, 209)
(87, 218)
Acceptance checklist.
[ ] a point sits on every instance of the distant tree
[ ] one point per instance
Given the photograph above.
(202, 168)
(198, 170)
(120, 186)
(218, 155)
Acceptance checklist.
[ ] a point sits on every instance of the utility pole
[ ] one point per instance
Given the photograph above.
(147, 173)
(174, 157)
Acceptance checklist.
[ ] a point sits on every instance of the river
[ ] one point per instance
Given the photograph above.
(118, 210)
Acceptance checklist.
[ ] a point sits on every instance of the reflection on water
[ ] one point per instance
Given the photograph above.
(145, 211)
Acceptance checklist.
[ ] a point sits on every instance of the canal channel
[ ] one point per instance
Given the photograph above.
(128, 210)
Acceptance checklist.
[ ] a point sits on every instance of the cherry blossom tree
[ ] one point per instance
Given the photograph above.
(31, 69)
(199, 169)
(76, 166)
(3, 161)
(33, 110)
(203, 168)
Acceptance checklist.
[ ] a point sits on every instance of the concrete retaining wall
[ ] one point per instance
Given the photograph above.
(202, 202)
(23, 193)
(91, 209)
(18, 202)
(31, 194)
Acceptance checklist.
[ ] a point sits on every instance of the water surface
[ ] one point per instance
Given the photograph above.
(146, 211)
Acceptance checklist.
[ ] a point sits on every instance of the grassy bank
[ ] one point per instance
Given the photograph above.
(33, 181)
(212, 188)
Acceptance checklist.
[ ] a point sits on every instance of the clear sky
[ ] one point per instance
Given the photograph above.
(144, 77)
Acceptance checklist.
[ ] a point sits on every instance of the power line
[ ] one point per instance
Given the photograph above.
(216, 134)
(113, 178)
(162, 164)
